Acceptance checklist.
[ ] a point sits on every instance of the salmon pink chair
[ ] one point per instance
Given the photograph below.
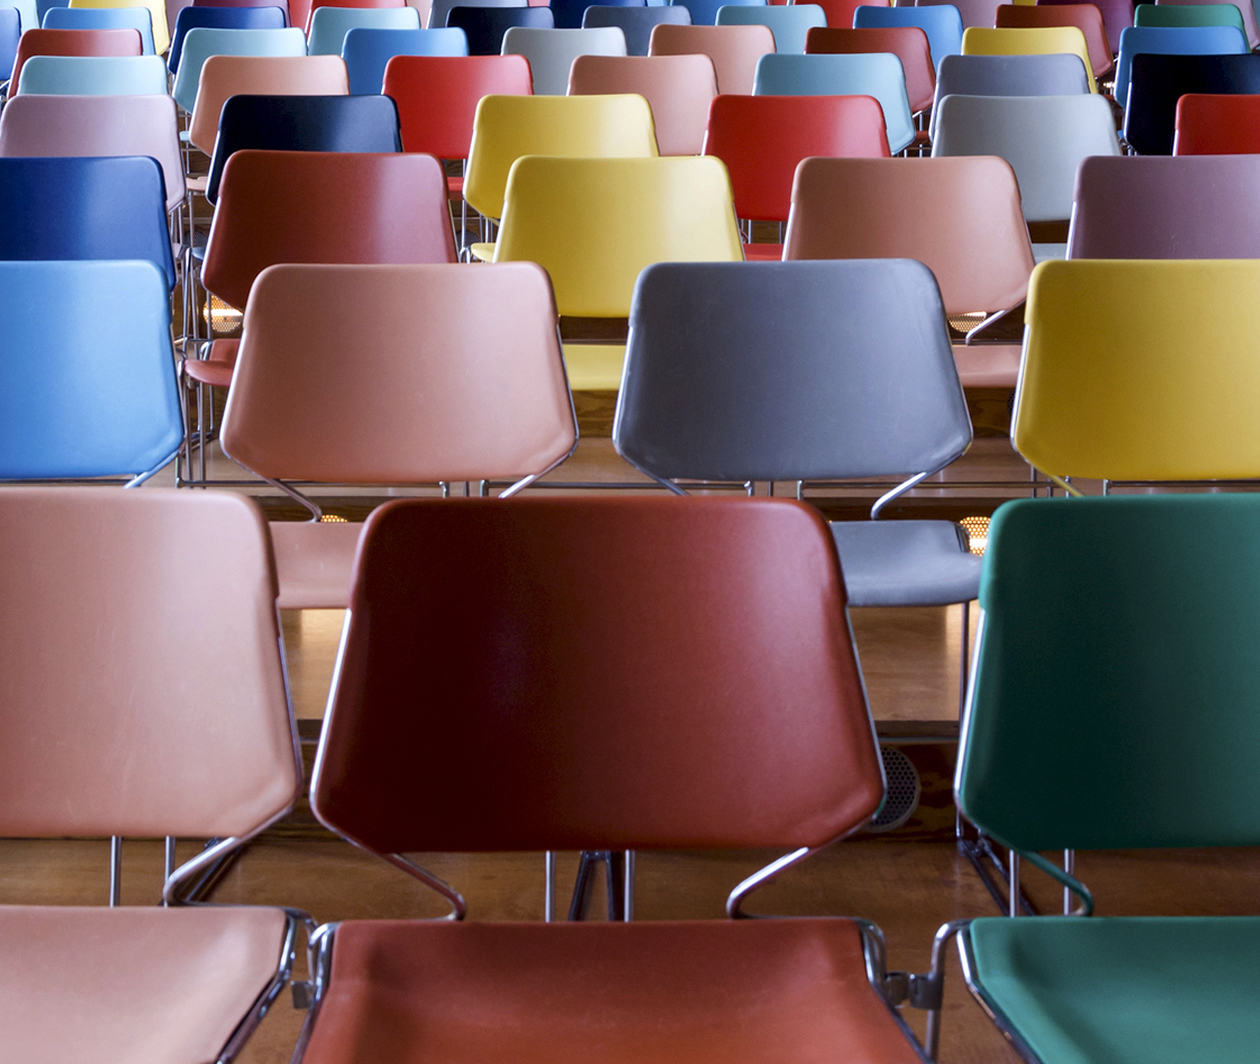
(735, 50)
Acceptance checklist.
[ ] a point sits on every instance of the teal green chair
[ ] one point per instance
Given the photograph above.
(1116, 705)
(1188, 15)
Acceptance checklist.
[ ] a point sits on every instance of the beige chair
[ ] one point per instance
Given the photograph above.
(734, 50)
(113, 728)
(393, 374)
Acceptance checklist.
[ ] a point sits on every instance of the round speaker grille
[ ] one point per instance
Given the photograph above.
(903, 790)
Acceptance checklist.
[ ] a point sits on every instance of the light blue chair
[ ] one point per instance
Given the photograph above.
(551, 52)
(203, 42)
(941, 22)
(103, 18)
(704, 12)
(10, 34)
(367, 51)
(877, 74)
(637, 22)
(94, 75)
(1173, 40)
(28, 11)
(329, 25)
(221, 18)
(789, 23)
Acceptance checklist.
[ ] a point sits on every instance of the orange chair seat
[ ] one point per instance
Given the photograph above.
(703, 991)
(313, 563)
(216, 370)
(987, 365)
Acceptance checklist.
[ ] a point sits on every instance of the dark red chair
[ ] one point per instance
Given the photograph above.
(1217, 124)
(907, 43)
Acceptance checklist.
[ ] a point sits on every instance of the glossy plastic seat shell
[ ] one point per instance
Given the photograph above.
(485, 27)
(1208, 124)
(118, 42)
(157, 17)
(1009, 75)
(137, 18)
(1041, 40)
(971, 12)
(790, 23)
(636, 22)
(367, 51)
(1166, 40)
(1085, 17)
(1248, 16)
(203, 42)
(1126, 363)
(224, 18)
(568, 14)
(907, 43)
(1159, 81)
(1188, 15)
(705, 12)
(329, 25)
(941, 22)
(357, 5)
(94, 75)
(735, 50)
(441, 8)
(551, 52)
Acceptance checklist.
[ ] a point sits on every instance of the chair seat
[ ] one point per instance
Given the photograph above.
(144, 985)
(905, 563)
(594, 367)
(482, 251)
(1126, 988)
(216, 369)
(702, 991)
(987, 365)
(313, 563)
(763, 252)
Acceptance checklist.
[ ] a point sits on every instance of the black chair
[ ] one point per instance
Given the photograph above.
(636, 22)
(1157, 82)
(485, 26)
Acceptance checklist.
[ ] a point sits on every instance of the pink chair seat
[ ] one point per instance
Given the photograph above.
(314, 562)
(216, 370)
(987, 365)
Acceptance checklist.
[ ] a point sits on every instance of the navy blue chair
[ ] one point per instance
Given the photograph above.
(636, 22)
(569, 13)
(367, 51)
(221, 18)
(1156, 82)
(485, 26)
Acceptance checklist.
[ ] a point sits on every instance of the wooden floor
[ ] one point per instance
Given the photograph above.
(908, 881)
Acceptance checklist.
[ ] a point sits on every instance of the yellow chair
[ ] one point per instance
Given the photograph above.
(1041, 40)
(593, 224)
(157, 8)
(507, 127)
(1141, 370)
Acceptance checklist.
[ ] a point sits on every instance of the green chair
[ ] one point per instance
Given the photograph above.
(1114, 706)
(1188, 15)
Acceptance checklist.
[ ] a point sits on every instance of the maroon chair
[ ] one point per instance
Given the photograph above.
(121, 42)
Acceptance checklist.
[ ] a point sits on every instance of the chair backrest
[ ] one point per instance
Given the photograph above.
(941, 22)
(1245, 9)
(1039, 40)
(102, 18)
(593, 224)
(116, 42)
(679, 89)
(1173, 40)
(862, 384)
(330, 25)
(1085, 17)
(1188, 15)
(97, 125)
(397, 387)
(960, 216)
(972, 12)
(636, 22)
(551, 52)
(437, 97)
(907, 43)
(10, 35)
(157, 13)
(339, 207)
(1157, 207)
(1044, 138)
(1051, 717)
(28, 14)
(302, 123)
(259, 75)
(759, 672)
(367, 51)
(735, 50)
(73, 75)
(761, 139)
(1117, 16)
(704, 12)
(223, 18)
(507, 127)
(877, 74)
(1158, 81)
(1210, 124)
(1011, 75)
(353, 5)
(202, 42)
(85, 207)
(568, 14)
(840, 13)
(485, 27)
(788, 22)
(1140, 370)
(87, 372)
(441, 8)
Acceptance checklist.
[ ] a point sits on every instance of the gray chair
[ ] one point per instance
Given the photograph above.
(1008, 75)
(636, 23)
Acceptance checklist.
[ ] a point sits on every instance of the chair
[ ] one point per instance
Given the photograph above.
(223, 18)
(73, 75)
(1117, 16)
(734, 50)
(981, 13)
(141, 983)
(551, 52)
(593, 224)
(941, 22)
(1248, 16)
(679, 89)
(1011, 75)
(122, 42)
(789, 23)
(840, 13)
(636, 22)
(1044, 138)
(157, 17)
(102, 18)
(877, 74)
(1157, 207)
(704, 12)
(1041, 40)
(569, 13)
(441, 8)
(961, 216)
(1118, 725)
(28, 14)
(203, 42)
(10, 34)
(396, 388)
(648, 628)
(330, 25)
(1158, 81)
(1085, 17)
(1217, 125)
(367, 51)
(86, 365)
(907, 43)
(761, 139)
(1161, 40)
(354, 5)
(1215, 14)
(485, 26)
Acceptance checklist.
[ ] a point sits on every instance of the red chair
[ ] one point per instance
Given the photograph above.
(761, 139)
(1212, 124)
(313, 4)
(907, 43)
(121, 42)
(840, 12)
(1085, 17)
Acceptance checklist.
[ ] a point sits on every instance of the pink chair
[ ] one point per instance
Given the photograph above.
(733, 49)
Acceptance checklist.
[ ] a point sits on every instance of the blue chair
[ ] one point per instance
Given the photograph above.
(367, 51)
(221, 18)
(103, 18)
(485, 26)
(329, 25)
(201, 42)
(636, 22)
(877, 74)
(94, 75)
(789, 22)
(87, 370)
(941, 22)
(704, 12)
(10, 32)
(569, 13)
(1173, 40)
